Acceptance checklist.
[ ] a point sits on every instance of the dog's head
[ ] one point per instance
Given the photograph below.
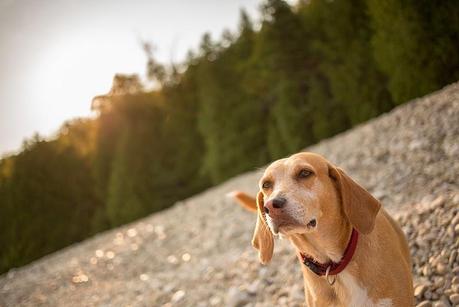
(304, 194)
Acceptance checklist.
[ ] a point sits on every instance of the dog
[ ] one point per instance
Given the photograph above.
(352, 253)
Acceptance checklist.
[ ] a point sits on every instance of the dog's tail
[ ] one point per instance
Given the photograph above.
(245, 200)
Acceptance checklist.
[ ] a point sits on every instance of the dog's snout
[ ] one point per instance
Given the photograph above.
(275, 203)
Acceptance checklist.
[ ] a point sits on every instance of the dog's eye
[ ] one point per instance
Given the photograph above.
(304, 173)
(267, 185)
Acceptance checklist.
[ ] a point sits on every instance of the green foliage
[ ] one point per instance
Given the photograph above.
(230, 119)
(136, 154)
(150, 168)
(282, 63)
(344, 59)
(415, 44)
(48, 197)
(307, 73)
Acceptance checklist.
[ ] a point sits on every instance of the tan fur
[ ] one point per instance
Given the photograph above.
(381, 265)
(246, 201)
(262, 237)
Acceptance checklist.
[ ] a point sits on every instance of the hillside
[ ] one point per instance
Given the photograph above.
(198, 252)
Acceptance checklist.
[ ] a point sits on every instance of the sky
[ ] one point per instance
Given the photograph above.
(55, 55)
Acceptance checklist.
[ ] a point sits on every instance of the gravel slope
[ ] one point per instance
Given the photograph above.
(198, 252)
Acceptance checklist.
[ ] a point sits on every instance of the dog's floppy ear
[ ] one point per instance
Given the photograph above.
(359, 205)
(263, 239)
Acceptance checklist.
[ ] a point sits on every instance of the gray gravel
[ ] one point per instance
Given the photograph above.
(198, 252)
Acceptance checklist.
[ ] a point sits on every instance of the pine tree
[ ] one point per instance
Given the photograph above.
(281, 63)
(341, 42)
(415, 44)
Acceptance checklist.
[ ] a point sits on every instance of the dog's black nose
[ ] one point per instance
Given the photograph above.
(273, 205)
(279, 202)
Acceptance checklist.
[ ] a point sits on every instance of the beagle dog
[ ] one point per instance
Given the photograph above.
(352, 253)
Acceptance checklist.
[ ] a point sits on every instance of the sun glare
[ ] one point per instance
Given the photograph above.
(70, 72)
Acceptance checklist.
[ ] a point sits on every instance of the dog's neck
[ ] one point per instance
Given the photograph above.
(327, 243)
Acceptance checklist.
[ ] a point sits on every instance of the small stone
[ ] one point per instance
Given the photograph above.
(438, 283)
(452, 257)
(445, 300)
(441, 269)
(80, 278)
(419, 291)
(253, 287)
(455, 219)
(236, 297)
(168, 288)
(186, 257)
(439, 201)
(450, 231)
(455, 199)
(178, 296)
(426, 271)
(132, 232)
(454, 298)
(215, 300)
(424, 304)
(144, 277)
(172, 259)
(282, 300)
(456, 229)
(110, 255)
(440, 304)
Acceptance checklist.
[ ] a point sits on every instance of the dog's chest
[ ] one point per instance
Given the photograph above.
(353, 294)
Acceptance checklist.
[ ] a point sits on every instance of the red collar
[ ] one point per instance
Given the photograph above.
(335, 268)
